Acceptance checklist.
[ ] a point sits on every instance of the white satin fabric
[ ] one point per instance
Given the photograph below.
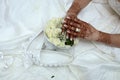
(24, 51)
(115, 4)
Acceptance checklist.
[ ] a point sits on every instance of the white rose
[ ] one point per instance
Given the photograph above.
(53, 29)
(56, 41)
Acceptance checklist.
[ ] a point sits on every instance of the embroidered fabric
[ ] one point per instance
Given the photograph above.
(87, 54)
(36, 56)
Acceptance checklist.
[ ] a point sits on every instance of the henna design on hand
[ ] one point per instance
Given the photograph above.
(104, 37)
(79, 28)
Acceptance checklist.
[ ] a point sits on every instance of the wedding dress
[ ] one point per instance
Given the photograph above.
(26, 55)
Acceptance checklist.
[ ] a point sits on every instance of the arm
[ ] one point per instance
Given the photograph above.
(77, 6)
(88, 32)
(110, 39)
(115, 40)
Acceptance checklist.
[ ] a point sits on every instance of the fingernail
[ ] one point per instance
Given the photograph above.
(68, 31)
(62, 33)
(65, 25)
(71, 23)
(67, 36)
(71, 38)
(68, 17)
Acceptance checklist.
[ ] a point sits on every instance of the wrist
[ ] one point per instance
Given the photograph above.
(75, 8)
(104, 37)
(71, 14)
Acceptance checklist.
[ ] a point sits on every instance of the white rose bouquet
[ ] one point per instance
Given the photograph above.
(54, 34)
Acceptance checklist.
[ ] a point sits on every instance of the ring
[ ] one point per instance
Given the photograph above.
(77, 30)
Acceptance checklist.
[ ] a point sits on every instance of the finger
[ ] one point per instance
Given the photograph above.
(76, 25)
(82, 35)
(71, 37)
(69, 33)
(69, 27)
(69, 17)
(75, 34)
(63, 21)
(67, 36)
(77, 20)
(66, 21)
(72, 28)
(72, 33)
(64, 27)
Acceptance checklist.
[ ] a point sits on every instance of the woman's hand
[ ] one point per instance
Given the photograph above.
(71, 15)
(73, 27)
(77, 28)
(75, 8)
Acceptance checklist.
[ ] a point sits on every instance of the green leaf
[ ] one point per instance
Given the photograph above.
(69, 42)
